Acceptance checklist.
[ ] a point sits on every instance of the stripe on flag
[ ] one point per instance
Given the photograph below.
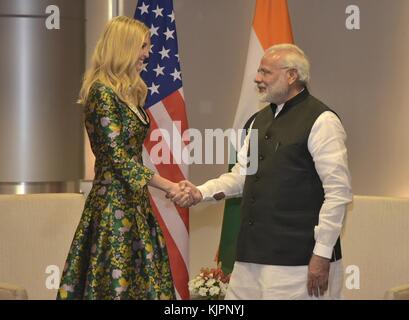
(165, 105)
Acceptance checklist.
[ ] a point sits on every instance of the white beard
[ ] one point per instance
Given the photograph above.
(275, 93)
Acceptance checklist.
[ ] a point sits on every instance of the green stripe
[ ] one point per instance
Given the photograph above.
(230, 231)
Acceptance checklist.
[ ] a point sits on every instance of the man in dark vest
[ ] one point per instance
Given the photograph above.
(293, 206)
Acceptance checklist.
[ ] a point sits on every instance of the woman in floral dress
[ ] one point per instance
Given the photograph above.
(118, 250)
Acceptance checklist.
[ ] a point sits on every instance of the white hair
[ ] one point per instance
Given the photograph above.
(293, 58)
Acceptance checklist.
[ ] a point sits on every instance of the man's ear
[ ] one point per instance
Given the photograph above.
(292, 76)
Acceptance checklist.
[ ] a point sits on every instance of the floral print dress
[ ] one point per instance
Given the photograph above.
(118, 250)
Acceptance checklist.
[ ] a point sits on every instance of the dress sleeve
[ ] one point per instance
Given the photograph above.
(104, 108)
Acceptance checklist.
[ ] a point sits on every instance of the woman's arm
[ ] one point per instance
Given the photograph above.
(163, 184)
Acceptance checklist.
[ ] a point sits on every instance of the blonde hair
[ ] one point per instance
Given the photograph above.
(293, 58)
(114, 61)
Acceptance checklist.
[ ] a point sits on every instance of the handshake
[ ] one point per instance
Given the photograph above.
(184, 194)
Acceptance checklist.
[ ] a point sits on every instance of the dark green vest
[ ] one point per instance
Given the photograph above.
(282, 201)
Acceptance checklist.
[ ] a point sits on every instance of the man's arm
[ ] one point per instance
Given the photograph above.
(228, 185)
(326, 144)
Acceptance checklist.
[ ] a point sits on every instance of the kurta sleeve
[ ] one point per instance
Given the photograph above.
(326, 144)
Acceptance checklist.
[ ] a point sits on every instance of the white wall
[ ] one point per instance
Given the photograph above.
(363, 75)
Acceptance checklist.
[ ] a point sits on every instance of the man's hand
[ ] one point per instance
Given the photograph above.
(189, 195)
(181, 194)
(318, 273)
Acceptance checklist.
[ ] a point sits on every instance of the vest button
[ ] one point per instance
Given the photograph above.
(251, 222)
(266, 137)
(260, 157)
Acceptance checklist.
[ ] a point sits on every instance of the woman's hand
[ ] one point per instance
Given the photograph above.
(180, 193)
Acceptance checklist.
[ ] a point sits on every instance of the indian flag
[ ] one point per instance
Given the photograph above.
(271, 25)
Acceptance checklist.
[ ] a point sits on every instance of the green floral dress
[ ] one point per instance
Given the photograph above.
(118, 251)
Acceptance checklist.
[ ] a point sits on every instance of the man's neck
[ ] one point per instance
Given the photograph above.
(294, 91)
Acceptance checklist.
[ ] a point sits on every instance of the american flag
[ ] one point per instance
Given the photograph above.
(166, 108)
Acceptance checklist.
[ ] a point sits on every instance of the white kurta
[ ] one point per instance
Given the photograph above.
(326, 144)
(251, 281)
